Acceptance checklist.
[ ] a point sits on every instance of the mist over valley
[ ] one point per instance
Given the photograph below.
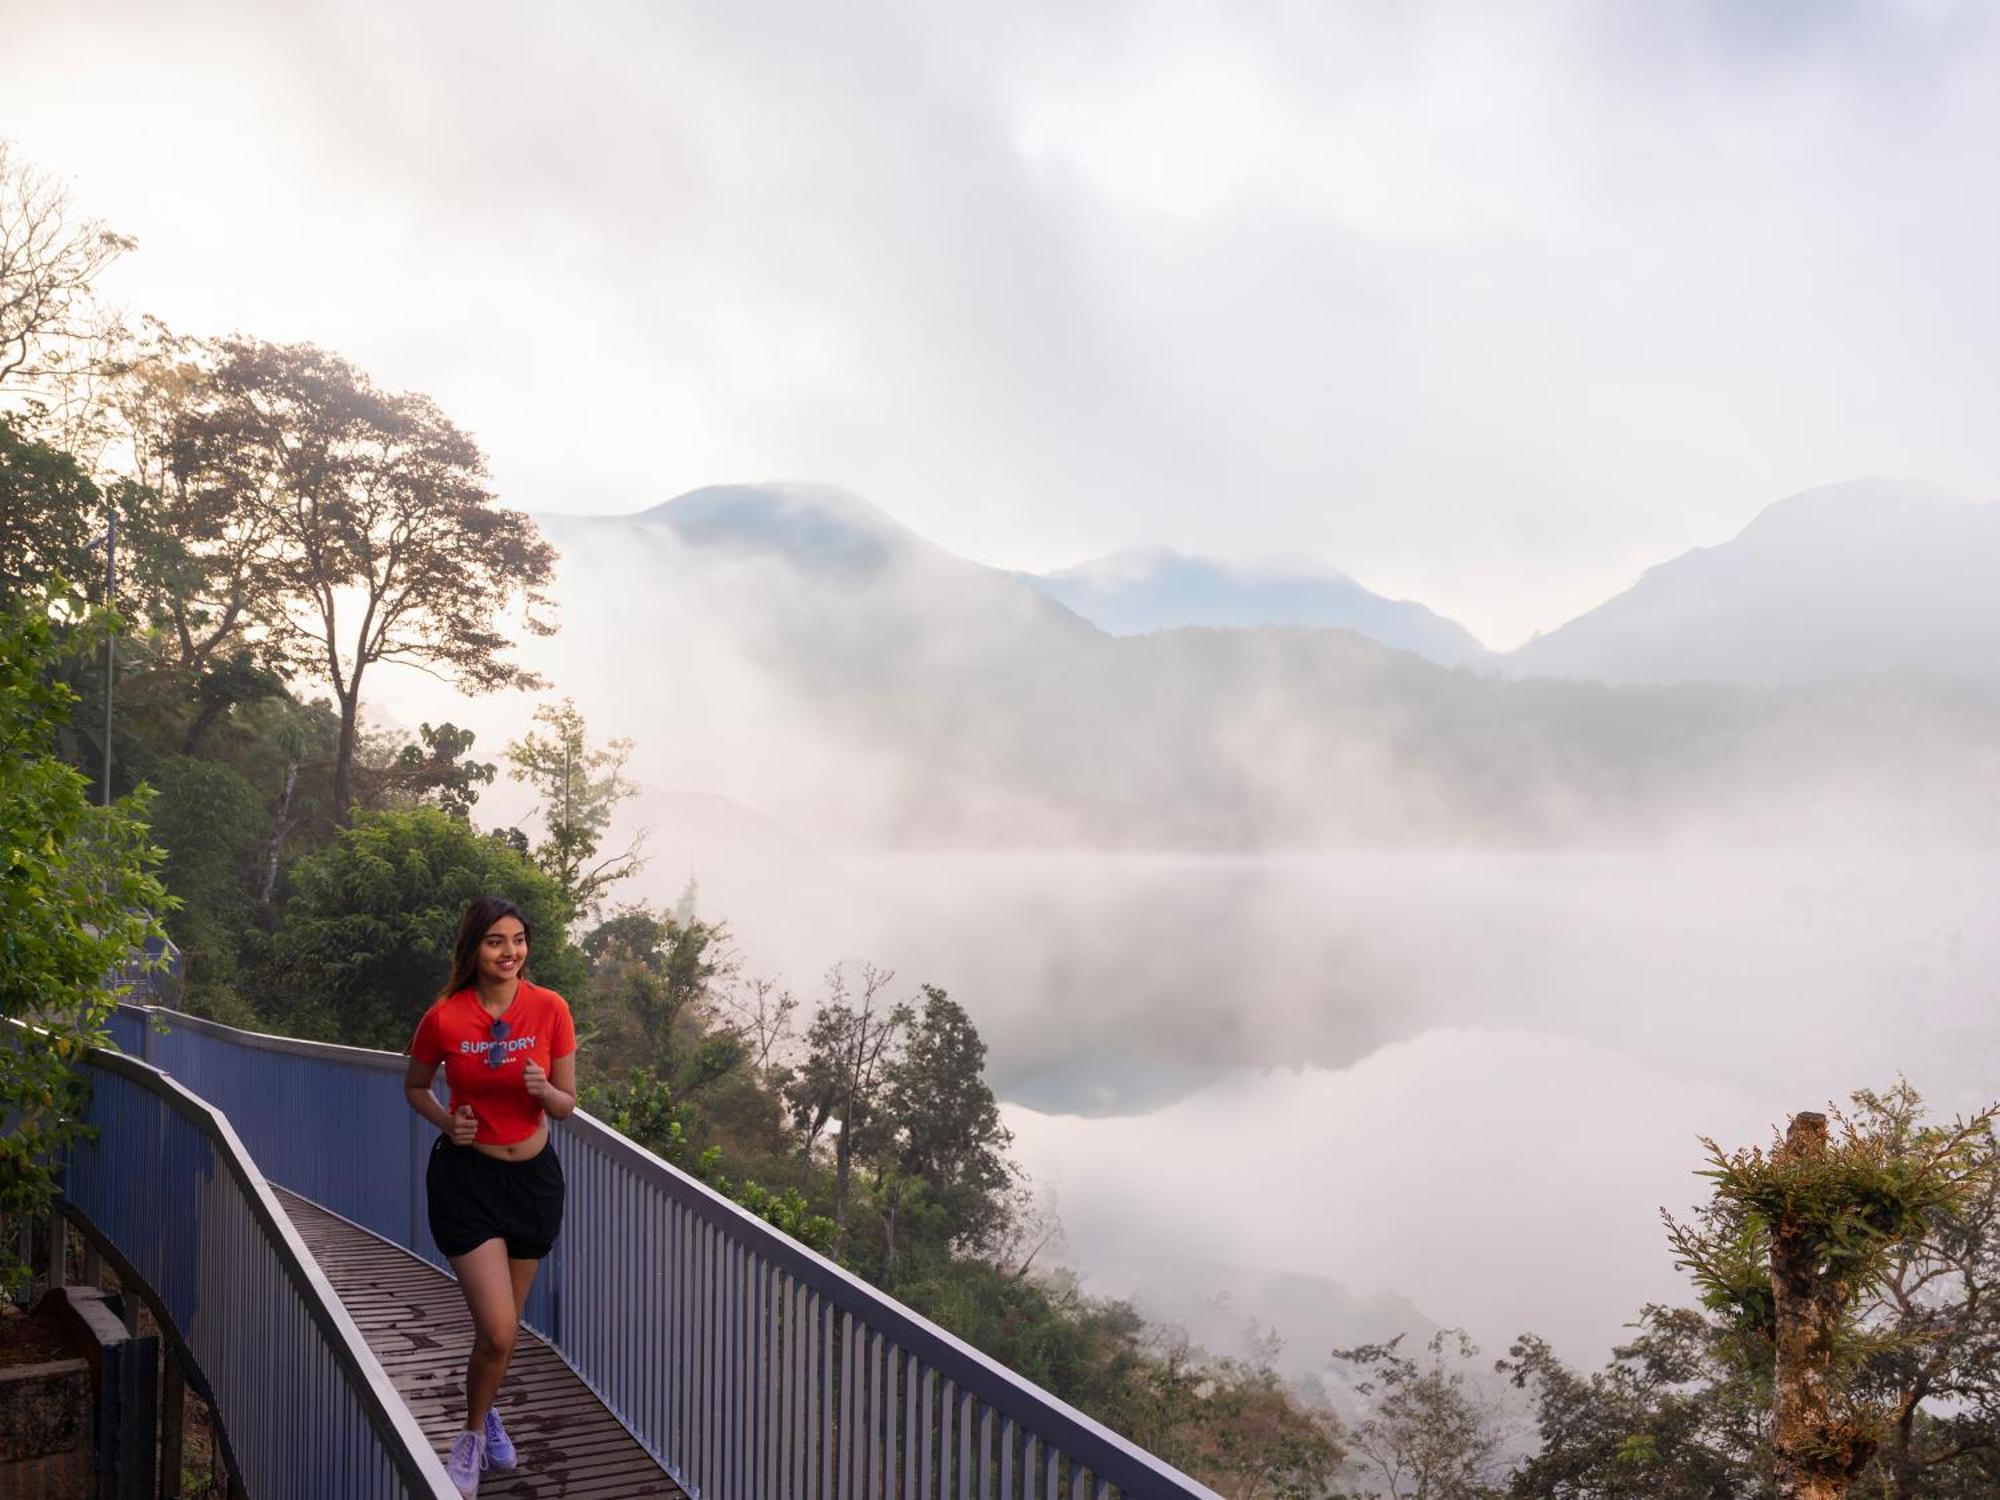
(1355, 951)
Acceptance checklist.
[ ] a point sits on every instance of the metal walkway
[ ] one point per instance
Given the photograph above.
(754, 1368)
(415, 1322)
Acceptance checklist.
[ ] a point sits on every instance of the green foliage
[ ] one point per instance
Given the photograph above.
(651, 994)
(644, 1107)
(1894, 1225)
(49, 511)
(77, 898)
(366, 940)
(212, 825)
(1428, 1431)
(1671, 1417)
(354, 525)
(1229, 1423)
(1845, 1214)
(947, 1130)
(576, 786)
(439, 770)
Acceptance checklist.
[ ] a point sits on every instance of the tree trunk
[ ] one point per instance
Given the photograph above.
(1901, 1465)
(1815, 1454)
(278, 831)
(343, 764)
(842, 1156)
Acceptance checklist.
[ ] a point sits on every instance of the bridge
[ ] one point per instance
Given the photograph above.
(266, 1193)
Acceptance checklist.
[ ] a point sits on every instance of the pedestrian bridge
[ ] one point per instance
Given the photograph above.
(268, 1194)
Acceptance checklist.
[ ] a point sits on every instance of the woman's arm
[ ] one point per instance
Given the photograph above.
(417, 1089)
(554, 1090)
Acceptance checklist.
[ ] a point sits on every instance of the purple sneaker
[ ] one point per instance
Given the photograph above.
(499, 1447)
(468, 1457)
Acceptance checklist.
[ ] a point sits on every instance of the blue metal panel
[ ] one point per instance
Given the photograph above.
(305, 1407)
(128, 1031)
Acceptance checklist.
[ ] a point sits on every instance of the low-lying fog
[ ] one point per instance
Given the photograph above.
(1364, 1083)
(1471, 1080)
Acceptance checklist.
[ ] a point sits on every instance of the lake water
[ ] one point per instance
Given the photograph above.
(1465, 1080)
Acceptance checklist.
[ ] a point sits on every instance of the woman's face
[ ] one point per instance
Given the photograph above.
(503, 950)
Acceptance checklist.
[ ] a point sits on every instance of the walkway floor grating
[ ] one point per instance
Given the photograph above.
(571, 1447)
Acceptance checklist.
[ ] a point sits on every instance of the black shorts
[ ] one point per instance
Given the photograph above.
(474, 1198)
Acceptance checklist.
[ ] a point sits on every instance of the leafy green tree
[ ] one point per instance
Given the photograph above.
(381, 537)
(212, 825)
(1673, 1416)
(947, 1127)
(577, 786)
(366, 939)
(852, 1048)
(643, 1106)
(1429, 1434)
(440, 770)
(1795, 1255)
(652, 995)
(77, 894)
(1935, 1320)
(49, 511)
(209, 535)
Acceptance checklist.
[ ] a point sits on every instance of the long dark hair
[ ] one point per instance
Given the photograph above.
(476, 923)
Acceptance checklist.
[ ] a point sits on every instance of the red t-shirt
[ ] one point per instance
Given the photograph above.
(459, 1032)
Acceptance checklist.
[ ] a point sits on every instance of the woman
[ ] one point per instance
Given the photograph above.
(494, 1185)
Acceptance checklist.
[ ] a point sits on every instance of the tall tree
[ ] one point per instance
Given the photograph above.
(387, 543)
(1429, 1433)
(1796, 1252)
(852, 1048)
(947, 1123)
(577, 785)
(50, 258)
(653, 985)
(1936, 1320)
(208, 534)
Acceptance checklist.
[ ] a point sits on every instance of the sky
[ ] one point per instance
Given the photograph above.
(1488, 306)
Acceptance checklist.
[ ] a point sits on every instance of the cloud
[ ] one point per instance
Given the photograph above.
(1483, 306)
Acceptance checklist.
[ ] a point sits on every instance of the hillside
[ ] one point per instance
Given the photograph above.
(1851, 580)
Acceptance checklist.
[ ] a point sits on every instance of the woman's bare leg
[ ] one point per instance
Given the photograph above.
(523, 1274)
(487, 1279)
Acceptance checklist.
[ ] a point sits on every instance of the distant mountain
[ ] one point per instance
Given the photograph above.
(1143, 590)
(1850, 580)
(796, 650)
(816, 527)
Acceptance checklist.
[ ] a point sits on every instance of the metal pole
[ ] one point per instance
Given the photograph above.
(111, 639)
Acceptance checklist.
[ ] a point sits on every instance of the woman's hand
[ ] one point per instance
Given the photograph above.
(556, 1100)
(464, 1125)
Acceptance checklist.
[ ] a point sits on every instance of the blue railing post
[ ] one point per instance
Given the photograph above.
(417, 1124)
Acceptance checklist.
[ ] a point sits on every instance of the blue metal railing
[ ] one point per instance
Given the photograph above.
(749, 1366)
(304, 1405)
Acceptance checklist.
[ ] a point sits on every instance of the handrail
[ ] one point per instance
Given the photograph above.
(748, 1364)
(303, 1403)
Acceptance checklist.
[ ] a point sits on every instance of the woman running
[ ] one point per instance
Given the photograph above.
(494, 1184)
